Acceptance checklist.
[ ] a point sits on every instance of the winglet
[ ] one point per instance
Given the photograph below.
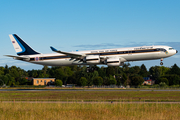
(53, 49)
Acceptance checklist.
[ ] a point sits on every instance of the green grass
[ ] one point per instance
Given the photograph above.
(90, 95)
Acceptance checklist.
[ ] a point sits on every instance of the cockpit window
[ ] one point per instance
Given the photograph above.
(171, 48)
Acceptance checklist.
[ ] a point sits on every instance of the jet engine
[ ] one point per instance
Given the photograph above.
(113, 62)
(92, 59)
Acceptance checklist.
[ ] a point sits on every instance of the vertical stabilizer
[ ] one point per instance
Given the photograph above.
(20, 46)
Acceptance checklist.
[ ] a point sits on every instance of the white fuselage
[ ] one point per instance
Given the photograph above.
(106, 56)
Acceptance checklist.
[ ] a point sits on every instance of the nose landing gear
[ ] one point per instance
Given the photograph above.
(161, 63)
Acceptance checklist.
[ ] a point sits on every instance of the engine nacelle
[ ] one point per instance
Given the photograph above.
(113, 62)
(92, 59)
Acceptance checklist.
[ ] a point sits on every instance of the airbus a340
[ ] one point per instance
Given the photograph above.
(110, 57)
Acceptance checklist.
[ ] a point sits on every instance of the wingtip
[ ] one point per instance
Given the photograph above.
(53, 49)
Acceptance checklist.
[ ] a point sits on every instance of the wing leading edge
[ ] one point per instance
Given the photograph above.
(73, 55)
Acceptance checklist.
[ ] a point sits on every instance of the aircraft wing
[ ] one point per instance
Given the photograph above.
(73, 55)
(18, 57)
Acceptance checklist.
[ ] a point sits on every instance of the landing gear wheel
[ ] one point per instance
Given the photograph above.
(161, 63)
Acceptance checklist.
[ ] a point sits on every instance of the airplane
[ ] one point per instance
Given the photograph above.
(109, 57)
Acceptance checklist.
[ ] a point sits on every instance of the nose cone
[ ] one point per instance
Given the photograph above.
(176, 51)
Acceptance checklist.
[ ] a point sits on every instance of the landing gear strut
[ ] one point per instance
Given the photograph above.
(161, 63)
(91, 68)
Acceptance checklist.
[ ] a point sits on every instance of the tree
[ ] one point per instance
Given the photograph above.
(137, 80)
(6, 70)
(110, 70)
(164, 80)
(67, 72)
(11, 81)
(58, 82)
(83, 81)
(5, 78)
(14, 72)
(131, 71)
(134, 70)
(124, 78)
(102, 71)
(33, 73)
(143, 72)
(23, 81)
(41, 75)
(165, 70)
(90, 77)
(162, 84)
(98, 81)
(44, 72)
(59, 74)
(126, 67)
(106, 80)
(175, 70)
(1, 70)
(173, 79)
(156, 72)
(112, 80)
(118, 79)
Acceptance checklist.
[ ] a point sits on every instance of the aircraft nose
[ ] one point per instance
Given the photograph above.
(176, 51)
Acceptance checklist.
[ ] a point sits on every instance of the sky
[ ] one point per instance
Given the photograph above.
(71, 25)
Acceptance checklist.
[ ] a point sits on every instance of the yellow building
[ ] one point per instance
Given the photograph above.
(43, 81)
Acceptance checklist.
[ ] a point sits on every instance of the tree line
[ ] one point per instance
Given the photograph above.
(125, 75)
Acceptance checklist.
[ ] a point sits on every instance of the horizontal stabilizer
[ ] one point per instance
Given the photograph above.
(18, 57)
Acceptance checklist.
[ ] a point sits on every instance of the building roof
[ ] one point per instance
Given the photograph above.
(44, 78)
(148, 80)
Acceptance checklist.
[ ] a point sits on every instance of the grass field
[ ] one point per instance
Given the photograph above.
(90, 111)
(155, 96)
(98, 109)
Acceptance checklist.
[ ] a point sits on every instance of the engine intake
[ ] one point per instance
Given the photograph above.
(92, 59)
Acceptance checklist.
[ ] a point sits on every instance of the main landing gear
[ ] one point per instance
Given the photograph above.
(161, 63)
(91, 68)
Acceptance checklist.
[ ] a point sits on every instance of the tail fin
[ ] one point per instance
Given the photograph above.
(20, 46)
